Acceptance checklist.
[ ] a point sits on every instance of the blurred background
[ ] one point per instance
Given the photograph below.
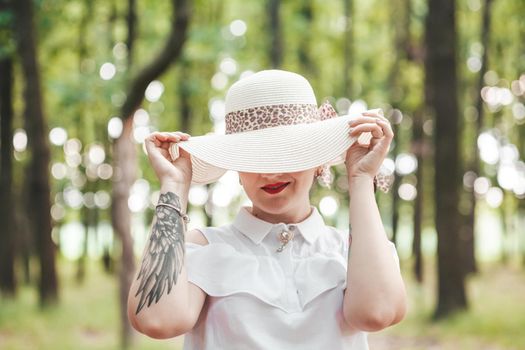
(83, 82)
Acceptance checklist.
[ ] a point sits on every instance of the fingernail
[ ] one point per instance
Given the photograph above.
(351, 130)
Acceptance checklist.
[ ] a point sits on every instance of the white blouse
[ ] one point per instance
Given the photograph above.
(259, 298)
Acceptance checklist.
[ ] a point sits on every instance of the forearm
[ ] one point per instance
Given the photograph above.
(159, 293)
(375, 294)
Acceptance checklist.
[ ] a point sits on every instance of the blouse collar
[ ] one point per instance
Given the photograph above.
(256, 229)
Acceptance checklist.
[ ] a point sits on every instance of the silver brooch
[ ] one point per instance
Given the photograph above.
(284, 237)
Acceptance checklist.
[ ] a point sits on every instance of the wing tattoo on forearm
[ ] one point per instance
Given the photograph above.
(164, 257)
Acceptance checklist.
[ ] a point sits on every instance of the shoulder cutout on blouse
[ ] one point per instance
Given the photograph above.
(196, 236)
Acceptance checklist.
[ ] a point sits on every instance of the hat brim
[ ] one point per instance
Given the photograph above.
(286, 148)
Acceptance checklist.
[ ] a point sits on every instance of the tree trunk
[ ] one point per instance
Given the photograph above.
(418, 143)
(39, 189)
(125, 165)
(81, 262)
(125, 157)
(305, 61)
(400, 37)
(132, 29)
(442, 103)
(85, 211)
(161, 63)
(7, 211)
(468, 242)
(348, 48)
(276, 44)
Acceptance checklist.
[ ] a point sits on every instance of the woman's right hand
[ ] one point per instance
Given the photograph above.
(168, 170)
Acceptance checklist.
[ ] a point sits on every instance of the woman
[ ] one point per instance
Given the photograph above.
(277, 277)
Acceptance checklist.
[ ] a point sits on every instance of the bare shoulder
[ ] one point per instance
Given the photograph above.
(196, 236)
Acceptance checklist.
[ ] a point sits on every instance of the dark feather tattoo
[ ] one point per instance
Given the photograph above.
(164, 256)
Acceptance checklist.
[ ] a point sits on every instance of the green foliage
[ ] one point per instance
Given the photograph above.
(7, 44)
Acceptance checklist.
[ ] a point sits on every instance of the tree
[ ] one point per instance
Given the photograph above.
(306, 14)
(124, 152)
(274, 26)
(38, 206)
(442, 102)
(470, 219)
(348, 48)
(7, 210)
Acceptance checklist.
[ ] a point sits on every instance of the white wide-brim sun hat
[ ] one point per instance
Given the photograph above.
(273, 125)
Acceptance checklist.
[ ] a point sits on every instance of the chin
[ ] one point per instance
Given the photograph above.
(274, 206)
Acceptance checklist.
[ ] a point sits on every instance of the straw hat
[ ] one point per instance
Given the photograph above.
(273, 125)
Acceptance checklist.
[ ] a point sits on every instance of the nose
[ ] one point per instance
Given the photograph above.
(273, 176)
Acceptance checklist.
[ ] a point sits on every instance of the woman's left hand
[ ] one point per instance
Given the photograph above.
(365, 160)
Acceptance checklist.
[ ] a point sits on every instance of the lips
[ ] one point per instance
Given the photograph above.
(275, 188)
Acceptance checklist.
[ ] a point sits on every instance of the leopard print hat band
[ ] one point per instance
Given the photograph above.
(275, 115)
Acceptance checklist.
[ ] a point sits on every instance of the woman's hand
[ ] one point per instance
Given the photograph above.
(365, 160)
(168, 170)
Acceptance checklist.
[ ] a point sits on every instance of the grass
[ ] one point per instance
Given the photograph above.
(87, 317)
(495, 318)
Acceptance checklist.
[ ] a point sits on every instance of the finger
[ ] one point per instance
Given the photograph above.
(153, 138)
(362, 119)
(167, 138)
(386, 128)
(180, 133)
(376, 116)
(171, 136)
(382, 144)
(374, 128)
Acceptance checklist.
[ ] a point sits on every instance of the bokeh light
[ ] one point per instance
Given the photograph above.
(140, 133)
(72, 146)
(406, 163)
(154, 91)
(59, 171)
(328, 206)
(102, 199)
(139, 195)
(140, 117)
(357, 107)
(481, 185)
(407, 192)
(105, 171)
(217, 109)
(474, 64)
(58, 136)
(219, 81)
(198, 195)
(228, 66)
(120, 51)
(494, 197)
(488, 148)
(107, 71)
(73, 198)
(507, 176)
(96, 154)
(115, 127)
(238, 27)
(20, 140)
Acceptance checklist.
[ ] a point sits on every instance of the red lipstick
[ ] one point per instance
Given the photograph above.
(275, 188)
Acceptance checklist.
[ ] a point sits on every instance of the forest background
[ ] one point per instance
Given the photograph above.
(82, 83)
